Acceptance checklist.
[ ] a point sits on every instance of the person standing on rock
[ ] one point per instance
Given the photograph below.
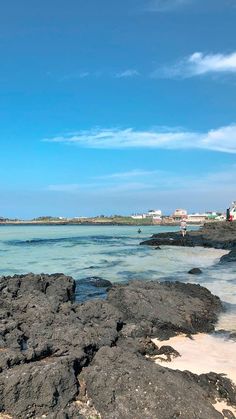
(183, 228)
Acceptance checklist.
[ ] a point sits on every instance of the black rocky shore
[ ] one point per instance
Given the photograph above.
(220, 235)
(64, 360)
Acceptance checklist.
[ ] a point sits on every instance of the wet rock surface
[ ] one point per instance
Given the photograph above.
(230, 257)
(60, 359)
(220, 235)
(92, 287)
(98, 282)
(195, 271)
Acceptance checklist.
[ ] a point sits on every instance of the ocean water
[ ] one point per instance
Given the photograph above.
(113, 253)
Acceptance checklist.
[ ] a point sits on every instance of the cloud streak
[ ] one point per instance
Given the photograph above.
(166, 5)
(130, 174)
(74, 76)
(204, 190)
(127, 74)
(222, 139)
(199, 64)
(124, 74)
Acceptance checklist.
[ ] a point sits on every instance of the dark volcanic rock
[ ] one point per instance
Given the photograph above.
(42, 333)
(123, 385)
(195, 271)
(46, 340)
(164, 309)
(230, 257)
(98, 282)
(217, 386)
(220, 235)
(143, 346)
(38, 388)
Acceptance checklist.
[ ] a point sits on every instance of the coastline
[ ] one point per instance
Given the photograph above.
(218, 235)
(108, 221)
(82, 346)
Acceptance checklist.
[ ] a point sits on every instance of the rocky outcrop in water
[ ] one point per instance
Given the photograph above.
(195, 271)
(220, 235)
(230, 257)
(60, 359)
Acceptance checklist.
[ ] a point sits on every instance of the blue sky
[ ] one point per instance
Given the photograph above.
(117, 107)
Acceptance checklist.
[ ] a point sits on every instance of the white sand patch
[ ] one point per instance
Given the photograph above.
(202, 354)
(220, 406)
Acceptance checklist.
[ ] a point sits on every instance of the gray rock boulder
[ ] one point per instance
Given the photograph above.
(195, 271)
(122, 385)
(164, 309)
(38, 388)
(230, 257)
(48, 342)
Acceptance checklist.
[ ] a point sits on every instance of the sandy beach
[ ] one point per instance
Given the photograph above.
(202, 354)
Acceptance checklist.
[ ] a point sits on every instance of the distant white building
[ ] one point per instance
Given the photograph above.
(154, 214)
(221, 217)
(197, 218)
(137, 216)
(179, 214)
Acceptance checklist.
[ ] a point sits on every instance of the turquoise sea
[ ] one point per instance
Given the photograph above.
(113, 253)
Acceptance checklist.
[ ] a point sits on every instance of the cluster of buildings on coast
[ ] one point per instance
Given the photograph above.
(180, 214)
(151, 217)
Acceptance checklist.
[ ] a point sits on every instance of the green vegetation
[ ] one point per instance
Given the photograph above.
(99, 220)
(46, 218)
(118, 219)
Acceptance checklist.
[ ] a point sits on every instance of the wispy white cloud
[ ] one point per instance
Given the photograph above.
(72, 76)
(98, 187)
(220, 185)
(129, 174)
(124, 74)
(199, 64)
(161, 6)
(222, 139)
(70, 187)
(127, 74)
(166, 5)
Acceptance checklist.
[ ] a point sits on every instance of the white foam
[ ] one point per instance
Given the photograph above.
(227, 321)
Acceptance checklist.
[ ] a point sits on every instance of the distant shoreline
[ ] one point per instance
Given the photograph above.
(93, 223)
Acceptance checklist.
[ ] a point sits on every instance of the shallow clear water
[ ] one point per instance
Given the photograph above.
(113, 253)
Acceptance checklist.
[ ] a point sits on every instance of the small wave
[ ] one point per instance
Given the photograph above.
(68, 240)
(39, 242)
